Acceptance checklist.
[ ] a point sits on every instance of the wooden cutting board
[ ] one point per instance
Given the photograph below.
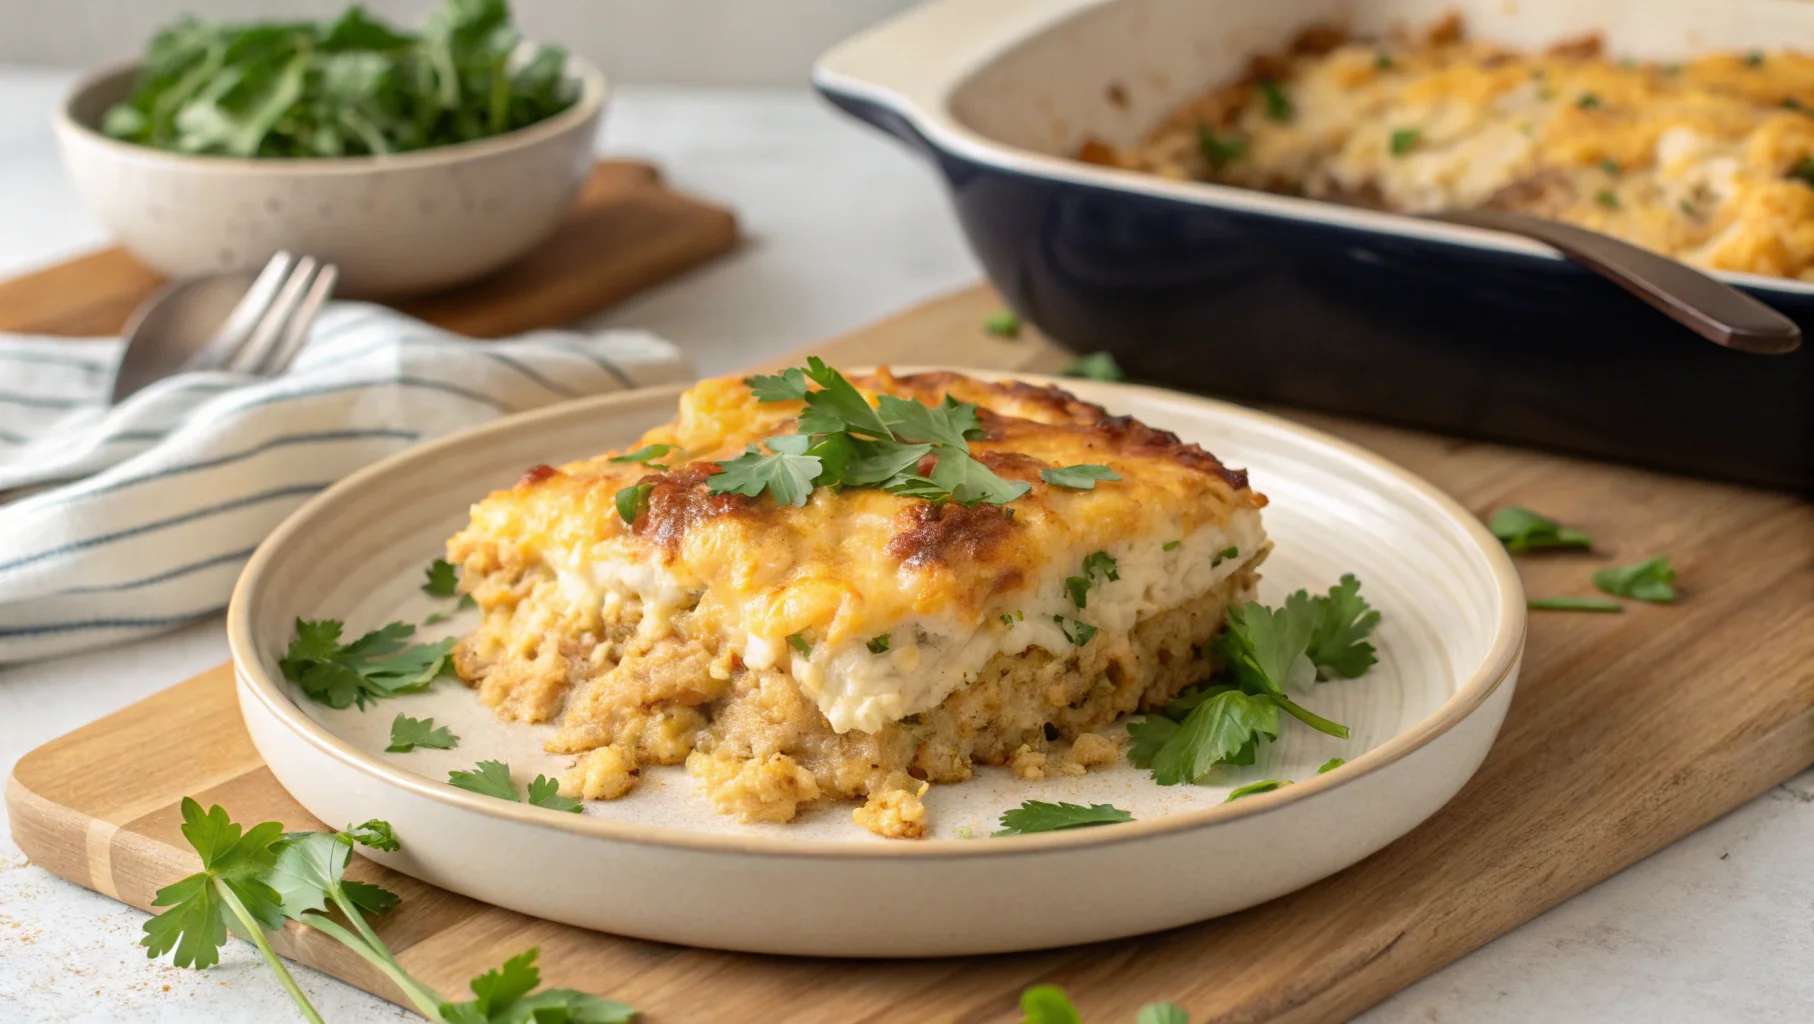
(626, 232)
(1627, 732)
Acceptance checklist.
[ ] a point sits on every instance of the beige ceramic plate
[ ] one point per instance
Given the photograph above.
(659, 864)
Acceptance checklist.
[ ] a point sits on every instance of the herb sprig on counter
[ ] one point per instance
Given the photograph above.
(355, 86)
(1264, 651)
(253, 880)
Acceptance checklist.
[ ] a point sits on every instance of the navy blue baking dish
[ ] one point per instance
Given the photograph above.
(1280, 299)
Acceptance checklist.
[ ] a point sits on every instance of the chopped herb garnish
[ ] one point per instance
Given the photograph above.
(799, 643)
(1608, 198)
(1331, 765)
(1103, 565)
(379, 664)
(1587, 101)
(1754, 59)
(1610, 166)
(1263, 786)
(1278, 105)
(443, 579)
(1075, 630)
(1035, 816)
(1094, 366)
(1003, 323)
(1218, 149)
(879, 644)
(1224, 555)
(1574, 604)
(1078, 588)
(1648, 580)
(966, 832)
(1171, 545)
(1010, 618)
(409, 733)
(1688, 208)
(1382, 61)
(1078, 478)
(1521, 530)
(1404, 140)
(1803, 170)
(632, 500)
(647, 455)
(1791, 103)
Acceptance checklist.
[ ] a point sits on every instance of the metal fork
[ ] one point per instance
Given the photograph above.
(261, 334)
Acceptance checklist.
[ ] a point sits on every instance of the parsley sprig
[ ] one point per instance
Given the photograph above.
(843, 441)
(492, 778)
(380, 664)
(1036, 816)
(253, 880)
(1265, 652)
(1047, 1004)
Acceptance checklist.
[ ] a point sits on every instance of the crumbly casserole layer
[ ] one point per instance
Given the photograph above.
(1710, 161)
(864, 644)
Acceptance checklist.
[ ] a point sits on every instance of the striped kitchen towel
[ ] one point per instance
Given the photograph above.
(144, 512)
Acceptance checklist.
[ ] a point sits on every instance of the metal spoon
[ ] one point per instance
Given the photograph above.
(1711, 308)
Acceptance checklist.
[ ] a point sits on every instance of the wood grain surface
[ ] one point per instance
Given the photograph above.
(1627, 732)
(624, 234)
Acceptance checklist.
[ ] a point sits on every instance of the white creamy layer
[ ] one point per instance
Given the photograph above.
(929, 657)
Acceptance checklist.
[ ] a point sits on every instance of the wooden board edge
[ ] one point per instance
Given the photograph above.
(48, 833)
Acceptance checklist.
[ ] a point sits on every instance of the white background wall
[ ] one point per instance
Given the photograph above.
(707, 42)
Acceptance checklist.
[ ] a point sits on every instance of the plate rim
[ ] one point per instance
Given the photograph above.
(1503, 657)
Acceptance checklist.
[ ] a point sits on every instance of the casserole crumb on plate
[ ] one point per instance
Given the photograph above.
(862, 643)
(1710, 161)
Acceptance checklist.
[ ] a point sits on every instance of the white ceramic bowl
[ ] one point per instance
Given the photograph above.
(660, 864)
(412, 222)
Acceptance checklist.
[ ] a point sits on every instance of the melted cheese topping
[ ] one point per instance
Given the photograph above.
(745, 575)
(1691, 160)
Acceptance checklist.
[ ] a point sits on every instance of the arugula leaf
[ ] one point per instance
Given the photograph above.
(443, 579)
(1263, 786)
(487, 778)
(1147, 737)
(1035, 816)
(1078, 478)
(546, 792)
(1343, 619)
(1095, 366)
(1004, 323)
(1161, 1013)
(376, 834)
(879, 644)
(787, 386)
(1076, 631)
(1573, 604)
(631, 501)
(409, 733)
(647, 454)
(202, 907)
(503, 996)
(788, 477)
(1047, 1004)
(1331, 765)
(1223, 729)
(1648, 580)
(379, 664)
(1522, 530)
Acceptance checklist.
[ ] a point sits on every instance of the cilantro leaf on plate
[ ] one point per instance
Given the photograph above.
(379, 664)
(1161, 1013)
(443, 579)
(1343, 619)
(1522, 530)
(1262, 786)
(1078, 478)
(409, 733)
(546, 792)
(487, 778)
(1047, 1004)
(1225, 729)
(1648, 580)
(788, 477)
(505, 995)
(1095, 366)
(1036, 816)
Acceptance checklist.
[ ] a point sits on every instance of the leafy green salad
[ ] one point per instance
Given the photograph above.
(355, 86)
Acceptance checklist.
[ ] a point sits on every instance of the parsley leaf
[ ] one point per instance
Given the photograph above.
(443, 579)
(647, 454)
(838, 407)
(308, 877)
(227, 894)
(1161, 1013)
(379, 664)
(1222, 730)
(1278, 105)
(788, 477)
(632, 500)
(503, 996)
(1147, 737)
(1224, 555)
(1343, 619)
(799, 643)
(487, 778)
(1172, 545)
(879, 644)
(1102, 564)
(409, 733)
(969, 482)
(1094, 366)
(1404, 140)
(948, 425)
(787, 386)
(1331, 765)
(877, 462)
(1574, 604)
(376, 834)
(1003, 323)
(1648, 580)
(1074, 630)
(1219, 150)
(546, 792)
(1078, 587)
(1522, 530)
(1047, 1004)
(1035, 816)
(1262, 786)
(465, 604)
(1078, 478)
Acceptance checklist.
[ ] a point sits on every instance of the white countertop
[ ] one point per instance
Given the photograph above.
(843, 227)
